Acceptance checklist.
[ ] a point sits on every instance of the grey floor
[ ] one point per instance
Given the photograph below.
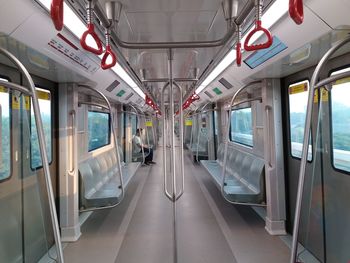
(208, 229)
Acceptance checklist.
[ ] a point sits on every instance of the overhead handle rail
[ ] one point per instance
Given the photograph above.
(30, 90)
(56, 12)
(314, 84)
(258, 28)
(91, 31)
(115, 140)
(226, 140)
(296, 11)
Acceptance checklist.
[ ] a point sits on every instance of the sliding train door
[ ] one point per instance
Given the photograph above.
(25, 227)
(295, 89)
(334, 144)
(325, 210)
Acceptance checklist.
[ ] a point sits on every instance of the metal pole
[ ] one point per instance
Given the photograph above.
(304, 153)
(181, 143)
(164, 143)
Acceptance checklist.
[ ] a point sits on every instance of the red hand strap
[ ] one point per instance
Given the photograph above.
(56, 13)
(238, 54)
(296, 11)
(258, 28)
(109, 52)
(91, 31)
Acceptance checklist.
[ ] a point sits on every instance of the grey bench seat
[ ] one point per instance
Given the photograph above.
(244, 180)
(99, 181)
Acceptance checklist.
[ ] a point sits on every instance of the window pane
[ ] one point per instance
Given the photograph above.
(298, 96)
(241, 126)
(98, 129)
(341, 124)
(44, 98)
(5, 152)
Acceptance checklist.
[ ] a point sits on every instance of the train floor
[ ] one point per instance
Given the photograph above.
(209, 229)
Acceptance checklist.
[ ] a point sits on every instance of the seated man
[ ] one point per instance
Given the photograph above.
(137, 143)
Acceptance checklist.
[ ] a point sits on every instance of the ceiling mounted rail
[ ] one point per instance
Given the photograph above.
(166, 80)
(99, 11)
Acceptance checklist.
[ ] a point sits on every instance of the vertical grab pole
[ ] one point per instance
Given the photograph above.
(72, 150)
(181, 142)
(43, 153)
(167, 194)
(304, 152)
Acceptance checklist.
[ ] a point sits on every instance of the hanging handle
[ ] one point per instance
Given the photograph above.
(56, 13)
(296, 11)
(258, 28)
(108, 52)
(91, 31)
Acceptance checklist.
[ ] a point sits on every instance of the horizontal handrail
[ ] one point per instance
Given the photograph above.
(16, 87)
(332, 79)
(89, 103)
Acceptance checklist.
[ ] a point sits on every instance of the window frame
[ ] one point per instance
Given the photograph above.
(331, 121)
(52, 127)
(288, 119)
(109, 130)
(230, 129)
(11, 136)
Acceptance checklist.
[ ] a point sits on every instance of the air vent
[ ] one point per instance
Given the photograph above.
(129, 96)
(208, 94)
(113, 85)
(225, 83)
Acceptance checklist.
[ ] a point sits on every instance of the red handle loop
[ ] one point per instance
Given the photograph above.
(296, 11)
(56, 13)
(238, 54)
(91, 31)
(109, 52)
(258, 28)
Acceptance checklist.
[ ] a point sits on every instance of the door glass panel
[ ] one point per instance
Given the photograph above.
(298, 96)
(44, 98)
(341, 124)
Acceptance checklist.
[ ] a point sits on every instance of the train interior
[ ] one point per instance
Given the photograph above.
(174, 131)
